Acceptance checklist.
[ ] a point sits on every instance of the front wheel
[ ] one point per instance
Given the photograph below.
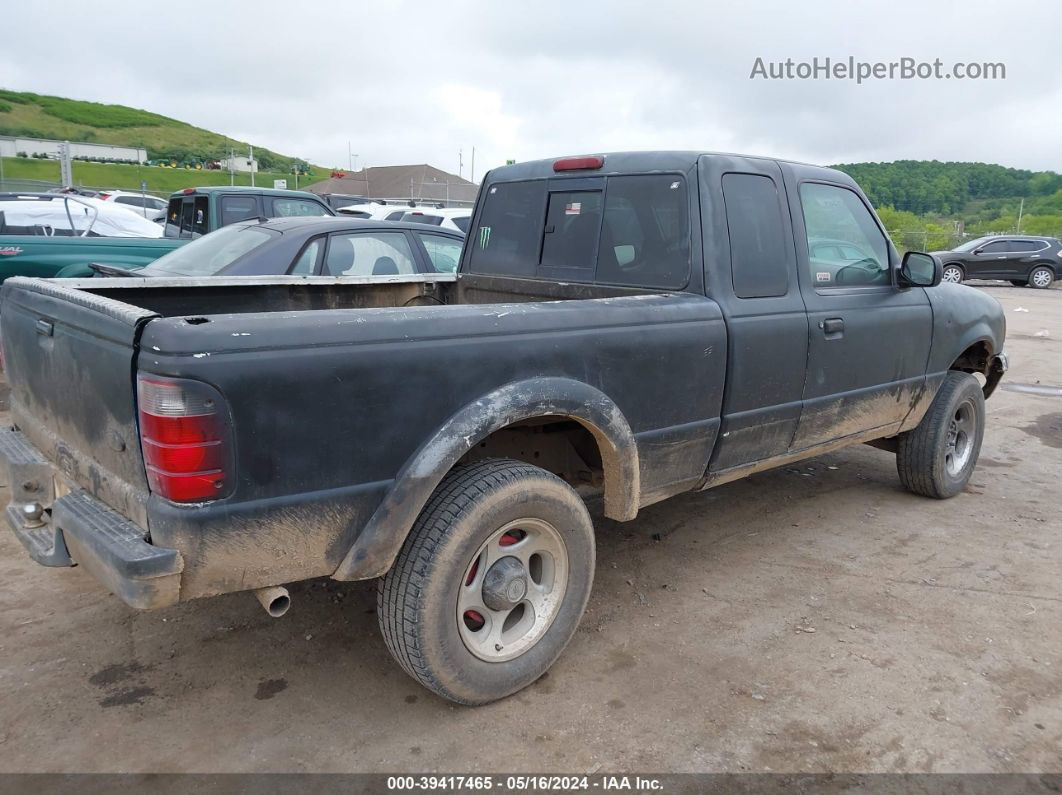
(937, 458)
(491, 583)
(953, 274)
(1041, 277)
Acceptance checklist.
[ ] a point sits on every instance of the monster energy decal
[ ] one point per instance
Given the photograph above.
(484, 236)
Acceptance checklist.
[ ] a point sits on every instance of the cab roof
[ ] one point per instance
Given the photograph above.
(625, 163)
(302, 194)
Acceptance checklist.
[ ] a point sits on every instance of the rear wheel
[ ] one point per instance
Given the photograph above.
(491, 582)
(937, 458)
(1041, 277)
(953, 274)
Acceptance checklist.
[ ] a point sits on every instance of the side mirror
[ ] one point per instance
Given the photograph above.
(978, 251)
(919, 269)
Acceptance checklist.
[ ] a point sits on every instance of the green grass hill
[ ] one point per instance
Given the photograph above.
(166, 140)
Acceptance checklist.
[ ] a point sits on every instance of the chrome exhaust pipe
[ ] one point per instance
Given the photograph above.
(276, 600)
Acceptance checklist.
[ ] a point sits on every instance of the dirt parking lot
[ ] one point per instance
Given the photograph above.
(814, 618)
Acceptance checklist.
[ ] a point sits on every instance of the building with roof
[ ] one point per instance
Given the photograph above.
(11, 146)
(418, 182)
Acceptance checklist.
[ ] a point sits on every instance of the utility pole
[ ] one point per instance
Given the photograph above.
(1021, 211)
(460, 162)
(232, 167)
(66, 175)
(251, 163)
(472, 174)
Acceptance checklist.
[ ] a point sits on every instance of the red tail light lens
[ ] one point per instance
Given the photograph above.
(185, 437)
(579, 163)
(103, 196)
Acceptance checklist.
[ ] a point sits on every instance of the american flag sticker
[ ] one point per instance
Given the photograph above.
(573, 208)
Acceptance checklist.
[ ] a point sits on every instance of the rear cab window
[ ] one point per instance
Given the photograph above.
(238, 208)
(173, 217)
(631, 230)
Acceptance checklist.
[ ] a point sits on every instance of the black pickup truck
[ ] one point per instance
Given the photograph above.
(629, 326)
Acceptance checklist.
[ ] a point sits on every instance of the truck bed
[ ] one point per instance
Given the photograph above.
(335, 387)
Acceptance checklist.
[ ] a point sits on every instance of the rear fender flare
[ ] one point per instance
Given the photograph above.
(380, 541)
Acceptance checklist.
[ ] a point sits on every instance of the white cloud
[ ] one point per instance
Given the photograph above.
(415, 81)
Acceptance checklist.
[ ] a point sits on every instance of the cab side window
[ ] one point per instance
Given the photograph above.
(845, 246)
(757, 248)
(996, 247)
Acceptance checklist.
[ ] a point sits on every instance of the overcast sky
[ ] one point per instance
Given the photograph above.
(412, 82)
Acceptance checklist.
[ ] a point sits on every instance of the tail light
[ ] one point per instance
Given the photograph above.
(103, 196)
(589, 162)
(186, 438)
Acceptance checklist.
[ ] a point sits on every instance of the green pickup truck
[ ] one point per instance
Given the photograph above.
(66, 249)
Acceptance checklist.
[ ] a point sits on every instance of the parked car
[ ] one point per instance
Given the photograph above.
(1022, 260)
(195, 211)
(447, 217)
(151, 207)
(45, 234)
(372, 210)
(378, 211)
(309, 246)
(338, 201)
(632, 326)
(191, 213)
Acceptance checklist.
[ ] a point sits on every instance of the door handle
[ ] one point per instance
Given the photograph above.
(832, 327)
(45, 328)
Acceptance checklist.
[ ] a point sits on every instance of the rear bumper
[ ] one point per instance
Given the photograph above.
(79, 530)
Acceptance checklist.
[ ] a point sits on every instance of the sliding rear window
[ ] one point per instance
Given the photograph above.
(635, 232)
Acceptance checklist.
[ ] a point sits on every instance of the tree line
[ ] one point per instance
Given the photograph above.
(946, 188)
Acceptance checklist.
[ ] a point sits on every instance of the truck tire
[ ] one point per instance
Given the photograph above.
(936, 458)
(1041, 277)
(491, 582)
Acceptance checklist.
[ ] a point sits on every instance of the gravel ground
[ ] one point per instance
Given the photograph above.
(813, 618)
